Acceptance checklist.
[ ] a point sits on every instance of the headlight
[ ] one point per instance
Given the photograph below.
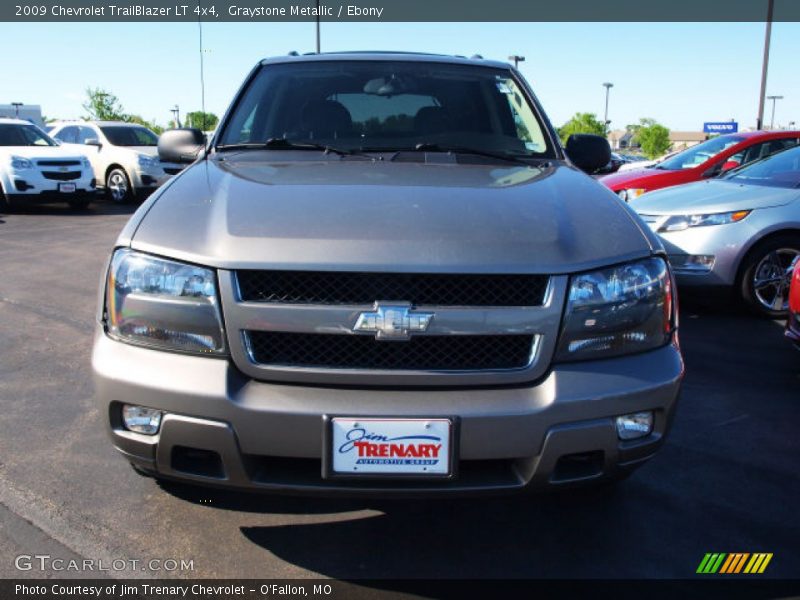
(164, 304)
(85, 162)
(631, 193)
(146, 161)
(19, 163)
(681, 222)
(619, 310)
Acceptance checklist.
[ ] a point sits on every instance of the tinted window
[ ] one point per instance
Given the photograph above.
(376, 105)
(68, 135)
(779, 170)
(697, 155)
(86, 133)
(125, 135)
(23, 135)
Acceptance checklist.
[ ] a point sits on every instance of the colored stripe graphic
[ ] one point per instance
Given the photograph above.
(734, 563)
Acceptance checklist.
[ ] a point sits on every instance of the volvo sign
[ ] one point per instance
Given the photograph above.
(722, 127)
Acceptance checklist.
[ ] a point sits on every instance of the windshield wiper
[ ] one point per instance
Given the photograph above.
(282, 143)
(430, 147)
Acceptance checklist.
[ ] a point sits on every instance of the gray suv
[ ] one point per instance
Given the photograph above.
(385, 275)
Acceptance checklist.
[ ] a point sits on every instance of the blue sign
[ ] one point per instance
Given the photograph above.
(724, 127)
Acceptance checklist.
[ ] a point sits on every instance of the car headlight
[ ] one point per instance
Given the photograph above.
(147, 162)
(618, 310)
(681, 222)
(85, 163)
(629, 194)
(162, 303)
(19, 163)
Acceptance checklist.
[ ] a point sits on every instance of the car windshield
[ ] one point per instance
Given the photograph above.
(126, 135)
(388, 106)
(697, 155)
(23, 135)
(779, 170)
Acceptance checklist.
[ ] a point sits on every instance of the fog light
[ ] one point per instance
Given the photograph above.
(635, 425)
(141, 419)
(695, 263)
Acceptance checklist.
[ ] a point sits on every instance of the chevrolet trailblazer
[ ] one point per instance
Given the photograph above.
(385, 275)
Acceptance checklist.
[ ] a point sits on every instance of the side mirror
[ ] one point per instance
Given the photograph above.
(92, 142)
(588, 152)
(181, 145)
(730, 164)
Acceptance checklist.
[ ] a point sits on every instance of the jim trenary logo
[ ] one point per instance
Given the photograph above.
(734, 563)
(377, 449)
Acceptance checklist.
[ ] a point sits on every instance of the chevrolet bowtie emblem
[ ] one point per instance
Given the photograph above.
(392, 321)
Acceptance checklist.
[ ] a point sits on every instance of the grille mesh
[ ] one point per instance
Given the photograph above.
(325, 287)
(428, 353)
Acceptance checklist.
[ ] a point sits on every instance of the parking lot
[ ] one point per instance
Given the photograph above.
(726, 481)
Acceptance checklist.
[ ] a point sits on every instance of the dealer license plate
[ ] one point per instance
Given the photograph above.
(391, 446)
(66, 188)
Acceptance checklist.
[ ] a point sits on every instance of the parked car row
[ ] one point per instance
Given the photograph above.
(735, 221)
(74, 160)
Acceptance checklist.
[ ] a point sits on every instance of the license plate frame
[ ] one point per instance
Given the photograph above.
(329, 439)
(67, 188)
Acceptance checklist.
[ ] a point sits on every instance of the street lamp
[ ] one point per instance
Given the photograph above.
(16, 106)
(765, 65)
(608, 87)
(176, 113)
(517, 59)
(773, 98)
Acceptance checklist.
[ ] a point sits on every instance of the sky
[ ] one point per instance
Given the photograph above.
(681, 74)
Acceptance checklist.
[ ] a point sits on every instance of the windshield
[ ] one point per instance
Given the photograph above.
(386, 106)
(697, 155)
(125, 135)
(23, 135)
(779, 170)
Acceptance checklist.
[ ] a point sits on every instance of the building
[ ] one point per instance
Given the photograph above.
(681, 140)
(621, 139)
(26, 112)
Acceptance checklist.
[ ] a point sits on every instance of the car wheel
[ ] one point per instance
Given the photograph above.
(766, 275)
(79, 203)
(118, 186)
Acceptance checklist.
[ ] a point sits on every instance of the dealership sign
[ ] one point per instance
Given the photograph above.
(725, 127)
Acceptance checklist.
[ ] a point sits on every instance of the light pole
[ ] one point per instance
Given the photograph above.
(16, 106)
(765, 66)
(319, 45)
(608, 87)
(176, 113)
(773, 98)
(517, 59)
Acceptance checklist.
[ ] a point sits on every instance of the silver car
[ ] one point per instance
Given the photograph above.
(740, 232)
(385, 275)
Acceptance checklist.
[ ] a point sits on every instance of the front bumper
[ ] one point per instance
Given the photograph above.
(32, 185)
(244, 433)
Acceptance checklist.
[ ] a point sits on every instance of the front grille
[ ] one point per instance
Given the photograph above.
(58, 163)
(331, 287)
(58, 176)
(427, 353)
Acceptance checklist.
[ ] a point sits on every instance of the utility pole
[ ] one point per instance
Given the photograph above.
(16, 106)
(608, 87)
(517, 59)
(319, 44)
(765, 66)
(202, 74)
(773, 98)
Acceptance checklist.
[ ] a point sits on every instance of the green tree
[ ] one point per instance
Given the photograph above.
(581, 123)
(205, 121)
(653, 138)
(152, 125)
(103, 106)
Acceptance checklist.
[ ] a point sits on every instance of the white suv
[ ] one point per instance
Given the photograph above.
(33, 167)
(124, 155)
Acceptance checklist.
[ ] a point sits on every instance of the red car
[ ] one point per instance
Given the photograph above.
(709, 159)
(793, 325)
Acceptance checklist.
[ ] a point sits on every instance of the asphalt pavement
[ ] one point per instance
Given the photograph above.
(727, 479)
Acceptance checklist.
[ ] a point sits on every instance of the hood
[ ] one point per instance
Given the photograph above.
(350, 214)
(712, 197)
(636, 178)
(36, 152)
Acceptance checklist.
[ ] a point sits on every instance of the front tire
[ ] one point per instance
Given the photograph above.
(118, 186)
(764, 284)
